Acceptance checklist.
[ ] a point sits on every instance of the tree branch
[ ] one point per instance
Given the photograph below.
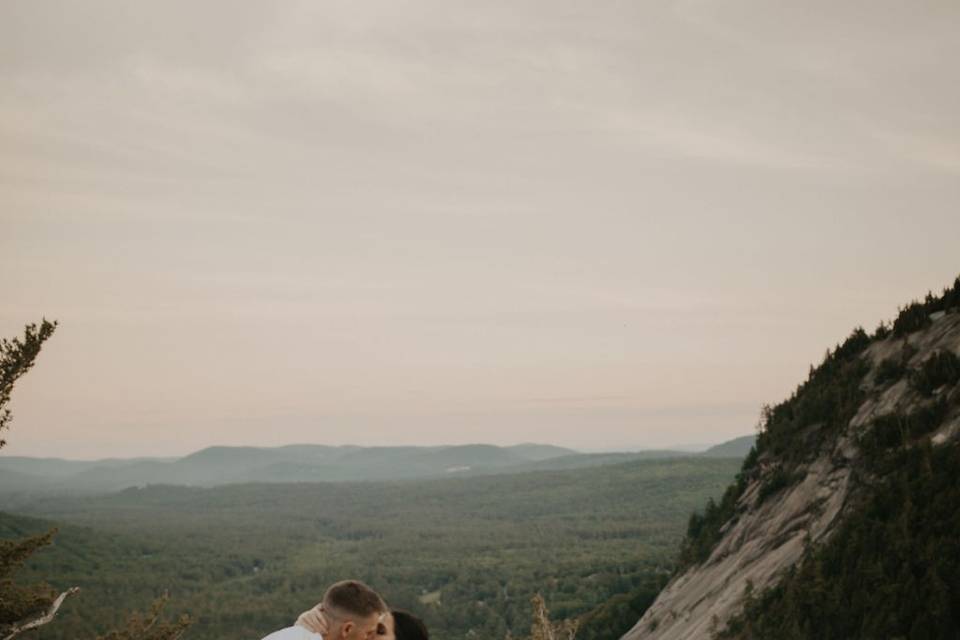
(19, 627)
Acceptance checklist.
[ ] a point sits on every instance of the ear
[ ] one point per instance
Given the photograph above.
(347, 629)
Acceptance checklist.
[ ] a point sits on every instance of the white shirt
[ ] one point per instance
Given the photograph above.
(293, 633)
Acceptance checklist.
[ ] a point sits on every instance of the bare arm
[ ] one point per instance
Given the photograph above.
(314, 620)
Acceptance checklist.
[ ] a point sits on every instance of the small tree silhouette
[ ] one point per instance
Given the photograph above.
(543, 629)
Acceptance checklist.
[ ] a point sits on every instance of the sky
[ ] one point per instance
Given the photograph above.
(604, 225)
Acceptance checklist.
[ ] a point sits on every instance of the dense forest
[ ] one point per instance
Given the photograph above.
(466, 553)
(891, 571)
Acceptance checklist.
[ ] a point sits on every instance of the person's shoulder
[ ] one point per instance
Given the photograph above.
(293, 633)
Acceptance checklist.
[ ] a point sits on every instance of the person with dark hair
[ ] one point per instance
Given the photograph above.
(396, 625)
(407, 626)
(351, 610)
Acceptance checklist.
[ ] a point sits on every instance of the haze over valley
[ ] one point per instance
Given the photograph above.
(313, 463)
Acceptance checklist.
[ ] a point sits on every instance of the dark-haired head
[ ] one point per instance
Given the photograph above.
(407, 626)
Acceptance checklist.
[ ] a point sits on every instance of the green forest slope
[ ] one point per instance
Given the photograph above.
(891, 569)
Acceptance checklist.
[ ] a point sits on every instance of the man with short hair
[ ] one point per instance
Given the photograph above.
(354, 610)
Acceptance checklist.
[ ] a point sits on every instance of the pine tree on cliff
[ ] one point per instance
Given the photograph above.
(27, 607)
(21, 607)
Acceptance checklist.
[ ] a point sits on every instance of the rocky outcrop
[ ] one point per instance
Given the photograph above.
(766, 537)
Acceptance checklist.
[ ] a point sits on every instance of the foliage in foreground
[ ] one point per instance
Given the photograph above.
(542, 628)
(545, 629)
(150, 625)
(612, 619)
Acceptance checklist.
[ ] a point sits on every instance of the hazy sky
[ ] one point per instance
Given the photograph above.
(598, 224)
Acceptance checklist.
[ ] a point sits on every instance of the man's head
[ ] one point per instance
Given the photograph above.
(354, 610)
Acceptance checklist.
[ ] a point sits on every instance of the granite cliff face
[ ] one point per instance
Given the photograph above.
(788, 503)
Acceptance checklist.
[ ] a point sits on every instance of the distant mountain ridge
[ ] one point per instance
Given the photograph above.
(736, 448)
(219, 465)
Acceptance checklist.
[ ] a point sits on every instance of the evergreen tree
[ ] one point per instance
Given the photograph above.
(27, 607)
(16, 358)
(22, 607)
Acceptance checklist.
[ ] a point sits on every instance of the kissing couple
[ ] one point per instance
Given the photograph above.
(350, 610)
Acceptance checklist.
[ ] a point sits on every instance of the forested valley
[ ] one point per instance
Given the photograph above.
(465, 553)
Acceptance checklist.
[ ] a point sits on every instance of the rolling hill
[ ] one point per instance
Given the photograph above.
(221, 465)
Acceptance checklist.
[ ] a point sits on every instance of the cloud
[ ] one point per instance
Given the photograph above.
(419, 206)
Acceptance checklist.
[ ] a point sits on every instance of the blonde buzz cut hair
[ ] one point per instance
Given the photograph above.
(352, 598)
